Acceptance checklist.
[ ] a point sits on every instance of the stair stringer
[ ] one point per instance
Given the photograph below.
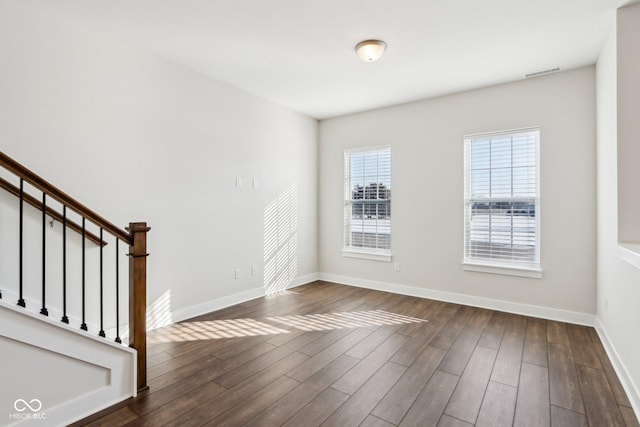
(47, 340)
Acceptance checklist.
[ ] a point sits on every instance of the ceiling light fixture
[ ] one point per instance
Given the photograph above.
(370, 50)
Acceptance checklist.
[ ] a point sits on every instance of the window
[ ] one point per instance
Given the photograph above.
(502, 200)
(367, 203)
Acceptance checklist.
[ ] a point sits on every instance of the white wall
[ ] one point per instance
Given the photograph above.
(427, 179)
(618, 281)
(137, 138)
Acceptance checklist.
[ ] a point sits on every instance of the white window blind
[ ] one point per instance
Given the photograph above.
(502, 201)
(367, 196)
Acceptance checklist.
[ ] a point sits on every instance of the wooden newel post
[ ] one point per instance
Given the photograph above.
(138, 297)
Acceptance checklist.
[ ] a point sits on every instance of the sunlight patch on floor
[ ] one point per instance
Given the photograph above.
(236, 328)
(212, 330)
(281, 293)
(348, 319)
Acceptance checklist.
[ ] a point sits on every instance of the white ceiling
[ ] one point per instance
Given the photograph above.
(299, 53)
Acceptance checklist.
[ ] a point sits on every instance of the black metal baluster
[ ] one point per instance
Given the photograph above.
(101, 333)
(118, 340)
(83, 325)
(65, 319)
(44, 310)
(21, 302)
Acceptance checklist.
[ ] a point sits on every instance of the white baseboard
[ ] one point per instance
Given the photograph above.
(303, 280)
(493, 304)
(215, 304)
(220, 303)
(632, 390)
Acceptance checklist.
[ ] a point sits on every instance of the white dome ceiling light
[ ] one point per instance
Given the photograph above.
(370, 50)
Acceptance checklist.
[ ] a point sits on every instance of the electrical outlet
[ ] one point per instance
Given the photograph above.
(237, 273)
(254, 183)
(396, 266)
(238, 182)
(254, 270)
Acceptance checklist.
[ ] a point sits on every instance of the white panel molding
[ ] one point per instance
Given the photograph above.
(493, 304)
(632, 389)
(51, 335)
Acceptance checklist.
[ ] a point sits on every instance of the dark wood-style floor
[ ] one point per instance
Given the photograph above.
(372, 360)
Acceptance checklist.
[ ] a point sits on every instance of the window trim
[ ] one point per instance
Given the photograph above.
(360, 253)
(354, 251)
(487, 267)
(507, 267)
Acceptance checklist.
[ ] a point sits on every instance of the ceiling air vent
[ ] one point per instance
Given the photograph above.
(542, 73)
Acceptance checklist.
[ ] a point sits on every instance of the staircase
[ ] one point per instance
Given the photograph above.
(67, 307)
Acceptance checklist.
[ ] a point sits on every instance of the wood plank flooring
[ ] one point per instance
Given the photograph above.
(332, 355)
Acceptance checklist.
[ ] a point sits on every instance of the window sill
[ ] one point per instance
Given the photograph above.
(364, 254)
(532, 272)
(630, 253)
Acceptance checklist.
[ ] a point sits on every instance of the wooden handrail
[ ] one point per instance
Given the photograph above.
(49, 211)
(22, 172)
